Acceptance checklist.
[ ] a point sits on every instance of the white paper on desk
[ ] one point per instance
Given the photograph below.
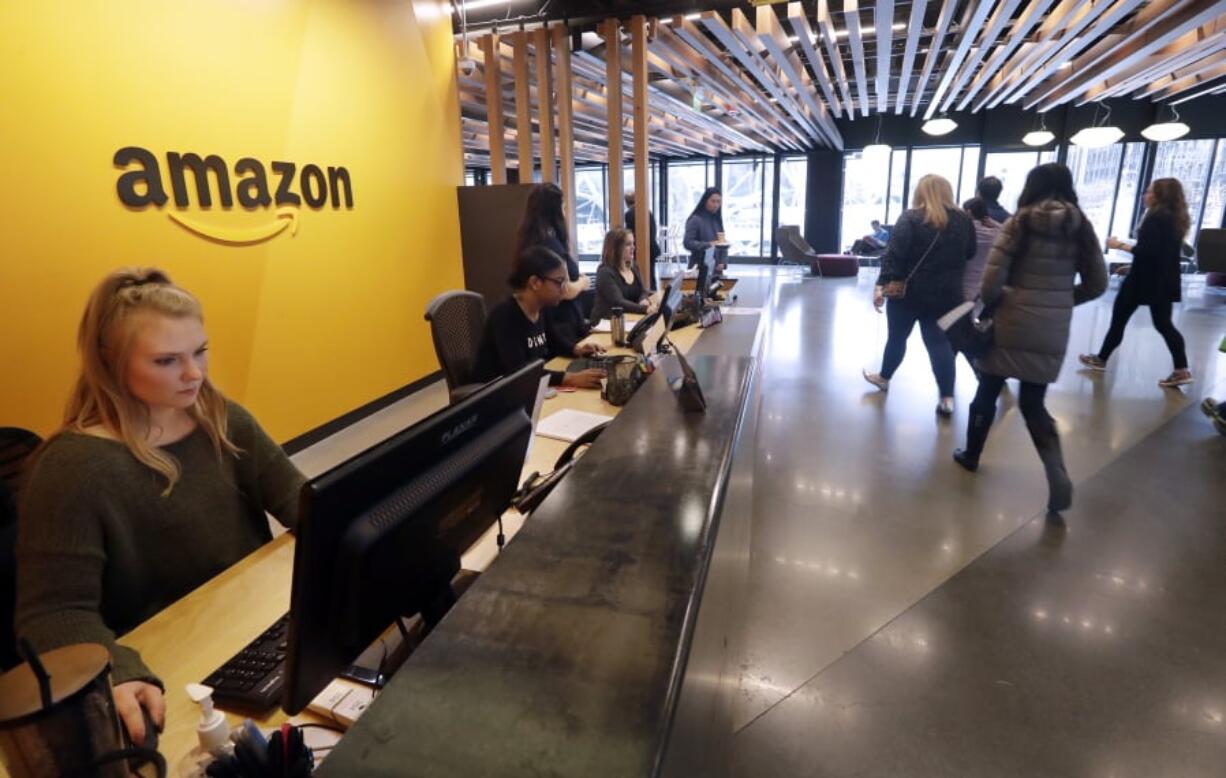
(569, 425)
(604, 325)
(734, 310)
(536, 411)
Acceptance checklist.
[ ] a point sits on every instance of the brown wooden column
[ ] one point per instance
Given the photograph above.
(642, 178)
(493, 107)
(566, 137)
(544, 101)
(613, 93)
(523, 106)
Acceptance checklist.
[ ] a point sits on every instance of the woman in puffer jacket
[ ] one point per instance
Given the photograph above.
(1031, 278)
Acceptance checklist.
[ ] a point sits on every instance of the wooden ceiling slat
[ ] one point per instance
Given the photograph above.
(770, 33)
(1025, 23)
(712, 22)
(825, 26)
(1189, 49)
(1162, 31)
(1176, 75)
(851, 16)
(1191, 81)
(978, 13)
(1049, 35)
(996, 25)
(805, 39)
(934, 51)
(915, 28)
(1082, 40)
(1210, 90)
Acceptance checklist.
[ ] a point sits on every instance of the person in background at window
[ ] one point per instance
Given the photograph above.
(655, 246)
(989, 190)
(544, 224)
(705, 226)
(928, 250)
(154, 484)
(1153, 279)
(873, 243)
(515, 331)
(618, 284)
(1032, 278)
(986, 230)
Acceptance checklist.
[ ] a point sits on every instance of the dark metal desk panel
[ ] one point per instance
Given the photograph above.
(566, 657)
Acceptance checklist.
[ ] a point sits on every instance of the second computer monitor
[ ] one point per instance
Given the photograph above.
(380, 535)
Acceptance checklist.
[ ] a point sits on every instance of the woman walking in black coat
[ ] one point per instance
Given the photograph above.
(1153, 279)
(928, 251)
(1031, 280)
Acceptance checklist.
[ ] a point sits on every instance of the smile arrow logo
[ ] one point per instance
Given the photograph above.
(241, 236)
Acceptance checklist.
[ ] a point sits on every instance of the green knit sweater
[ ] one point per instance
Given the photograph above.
(100, 550)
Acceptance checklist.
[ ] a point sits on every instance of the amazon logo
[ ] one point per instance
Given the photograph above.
(141, 185)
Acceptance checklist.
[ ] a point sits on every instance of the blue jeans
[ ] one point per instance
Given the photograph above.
(901, 316)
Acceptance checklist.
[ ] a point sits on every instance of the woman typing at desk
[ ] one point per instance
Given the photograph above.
(154, 484)
(515, 331)
(618, 284)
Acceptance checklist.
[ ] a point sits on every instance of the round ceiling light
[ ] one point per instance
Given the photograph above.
(942, 125)
(1166, 131)
(1097, 137)
(1038, 138)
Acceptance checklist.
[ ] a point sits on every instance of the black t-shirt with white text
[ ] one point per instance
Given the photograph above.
(511, 340)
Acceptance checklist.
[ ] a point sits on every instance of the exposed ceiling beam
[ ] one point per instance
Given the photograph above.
(1017, 36)
(1049, 35)
(996, 24)
(851, 16)
(775, 41)
(805, 38)
(934, 51)
(883, 15)
(825, 26)
(1193, 81)
(977, 12)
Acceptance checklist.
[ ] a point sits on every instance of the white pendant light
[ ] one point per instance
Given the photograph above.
(877, 148)
(942, 125)
(1041, 136)
(1096, 135)
(1172, 130)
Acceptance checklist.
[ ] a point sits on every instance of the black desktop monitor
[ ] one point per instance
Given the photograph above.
(380, 535)
(672, 300)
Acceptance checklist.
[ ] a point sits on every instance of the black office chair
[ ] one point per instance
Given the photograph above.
(16, 445)
(795, 249)
(457, 320)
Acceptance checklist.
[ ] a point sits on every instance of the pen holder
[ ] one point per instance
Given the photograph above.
(623, 375)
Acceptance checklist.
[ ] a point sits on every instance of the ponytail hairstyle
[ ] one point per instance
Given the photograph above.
(535, 261)
(933, 195)
(105, 339)
(614, 243)
(1168, 197)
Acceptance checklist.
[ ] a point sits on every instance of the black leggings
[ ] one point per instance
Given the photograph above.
(901, 317)
(1031, 399)
(1126, 305)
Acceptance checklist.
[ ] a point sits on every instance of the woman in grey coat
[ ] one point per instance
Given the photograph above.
(1031, 278)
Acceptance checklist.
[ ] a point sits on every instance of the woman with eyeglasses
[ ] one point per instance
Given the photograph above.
(516, 332)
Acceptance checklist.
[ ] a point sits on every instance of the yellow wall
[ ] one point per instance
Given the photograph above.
(303, 327)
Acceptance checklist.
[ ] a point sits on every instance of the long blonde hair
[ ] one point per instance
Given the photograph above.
(105, 339)
(933, 194)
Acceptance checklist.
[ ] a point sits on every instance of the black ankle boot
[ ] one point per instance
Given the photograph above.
(977, 427)
(1047, 443)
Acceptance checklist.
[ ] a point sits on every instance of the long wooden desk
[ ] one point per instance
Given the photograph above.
(197, 634)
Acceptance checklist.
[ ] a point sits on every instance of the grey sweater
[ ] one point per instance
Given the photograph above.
(100, 550)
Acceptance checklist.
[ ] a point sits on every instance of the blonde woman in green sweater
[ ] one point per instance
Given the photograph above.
(154, 484)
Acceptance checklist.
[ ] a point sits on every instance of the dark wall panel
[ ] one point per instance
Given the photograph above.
(823, 200)
(489, 217)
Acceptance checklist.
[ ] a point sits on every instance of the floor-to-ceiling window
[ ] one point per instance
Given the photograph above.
(1128, 192)
(864, 193)
(1189, 161)
(1095, 173)
(1215, 200)
(793, 178)
(628, 185)
(591, 216)
(686, 182)
(898, 200)
(748, 192)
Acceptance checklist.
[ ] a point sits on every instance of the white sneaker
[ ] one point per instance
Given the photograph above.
(945, 407)
(876, 380)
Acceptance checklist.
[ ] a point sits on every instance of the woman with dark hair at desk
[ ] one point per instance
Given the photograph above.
(544, 224)
(705, 227)
(515, 331)
(618, 284)
(154, 484)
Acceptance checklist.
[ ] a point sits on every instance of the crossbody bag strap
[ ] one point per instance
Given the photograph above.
(925, 256)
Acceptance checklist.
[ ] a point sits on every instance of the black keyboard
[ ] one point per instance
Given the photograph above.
(252, 678)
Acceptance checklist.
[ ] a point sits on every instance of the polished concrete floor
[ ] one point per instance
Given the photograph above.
(908, 618)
